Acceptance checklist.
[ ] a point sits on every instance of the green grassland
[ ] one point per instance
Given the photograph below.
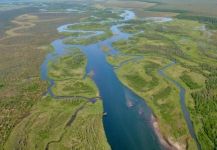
(21, 89)
(100, 13)
(116, 60)
(21, 86)
(74, 34)
(142, 77)
(60, 124)
(90, 27)
(88, 24)
(191, 46)
(86, 41)
(64, 123)
(193, 7)
(105, 27)
(87, 130)
(30, 121)
(45, 122)
(68, 73)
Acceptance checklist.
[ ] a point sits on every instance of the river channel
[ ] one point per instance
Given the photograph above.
(128, 123)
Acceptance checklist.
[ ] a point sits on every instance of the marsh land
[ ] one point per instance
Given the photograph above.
(100, 74)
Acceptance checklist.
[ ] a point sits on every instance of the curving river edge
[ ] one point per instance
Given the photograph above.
(182, 102)
(128, 127)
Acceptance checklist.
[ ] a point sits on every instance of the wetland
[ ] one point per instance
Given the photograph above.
(98, 75)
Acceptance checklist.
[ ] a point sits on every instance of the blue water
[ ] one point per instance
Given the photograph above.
(128, 123)
(127, 128)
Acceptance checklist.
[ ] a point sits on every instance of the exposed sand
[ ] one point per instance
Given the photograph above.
(167, 143)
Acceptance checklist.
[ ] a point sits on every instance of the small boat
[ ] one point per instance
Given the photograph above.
(104, 113)
(91, 74)
(129, 103)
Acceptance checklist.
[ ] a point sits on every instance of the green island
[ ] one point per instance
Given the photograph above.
(102, 27)
(68, 73)
(87, 41)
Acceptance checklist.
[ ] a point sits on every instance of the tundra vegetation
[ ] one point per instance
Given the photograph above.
(23, 47)
(31, 120)
(189, 43)
(72, 118)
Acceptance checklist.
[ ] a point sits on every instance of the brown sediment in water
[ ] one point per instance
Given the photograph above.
(166, 142)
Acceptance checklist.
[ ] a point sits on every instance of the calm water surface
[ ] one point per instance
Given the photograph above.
(128, 121)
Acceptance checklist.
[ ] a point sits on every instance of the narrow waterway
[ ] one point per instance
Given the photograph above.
(182, 102)
(128, 123)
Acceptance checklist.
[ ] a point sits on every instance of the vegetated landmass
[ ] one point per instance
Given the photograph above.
(23, 46)
(87, 41)
(68, 73)
(191, 45)
(196, 7)
(71, 118)
(30, 120)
